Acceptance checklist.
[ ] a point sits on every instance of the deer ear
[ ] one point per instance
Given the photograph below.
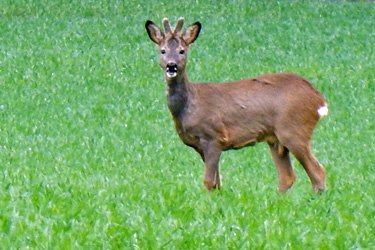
(192, 33)
(154, 32)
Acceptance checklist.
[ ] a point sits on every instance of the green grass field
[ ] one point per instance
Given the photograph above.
(89, 158)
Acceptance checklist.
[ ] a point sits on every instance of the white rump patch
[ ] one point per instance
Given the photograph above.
(323, 111)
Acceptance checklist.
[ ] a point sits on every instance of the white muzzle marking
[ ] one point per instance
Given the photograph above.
(171, 74)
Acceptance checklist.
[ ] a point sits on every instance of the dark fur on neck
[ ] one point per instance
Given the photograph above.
(177, 96)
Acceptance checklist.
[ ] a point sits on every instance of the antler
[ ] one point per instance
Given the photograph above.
(167, 26)
(179, 25)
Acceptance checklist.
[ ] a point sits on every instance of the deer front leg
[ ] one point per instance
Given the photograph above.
(211, 171)
(200, 152)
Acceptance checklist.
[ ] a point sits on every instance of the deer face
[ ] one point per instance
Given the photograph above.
(173, 56)
(173, 45)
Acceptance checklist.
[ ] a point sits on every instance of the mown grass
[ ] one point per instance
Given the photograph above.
(89, 158)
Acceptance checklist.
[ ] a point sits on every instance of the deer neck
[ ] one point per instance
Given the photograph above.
(178, 94)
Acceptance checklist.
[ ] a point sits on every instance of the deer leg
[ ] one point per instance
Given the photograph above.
(200, 152)
(211, 171)
(313, 168)
(280, 156)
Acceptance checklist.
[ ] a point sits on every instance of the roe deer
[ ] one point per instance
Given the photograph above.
(281, 109)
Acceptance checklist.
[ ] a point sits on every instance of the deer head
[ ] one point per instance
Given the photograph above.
(173, 45)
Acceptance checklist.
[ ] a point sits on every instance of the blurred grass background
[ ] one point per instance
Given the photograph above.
(89, 158)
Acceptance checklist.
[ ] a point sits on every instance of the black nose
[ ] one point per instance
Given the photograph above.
(172, 67)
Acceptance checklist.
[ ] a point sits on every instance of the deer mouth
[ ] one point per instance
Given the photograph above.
(171, 70)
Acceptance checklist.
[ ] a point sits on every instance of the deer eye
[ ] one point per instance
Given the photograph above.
(182, 52)
(162, 51)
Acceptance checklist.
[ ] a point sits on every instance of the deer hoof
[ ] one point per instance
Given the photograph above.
(210, 186)
(286, 185)
(318, 188)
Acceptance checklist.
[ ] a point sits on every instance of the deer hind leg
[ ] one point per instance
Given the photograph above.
(280, 156)
(316, 172)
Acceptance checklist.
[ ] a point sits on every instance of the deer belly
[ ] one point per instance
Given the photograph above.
(244, 137)
(251, 142)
